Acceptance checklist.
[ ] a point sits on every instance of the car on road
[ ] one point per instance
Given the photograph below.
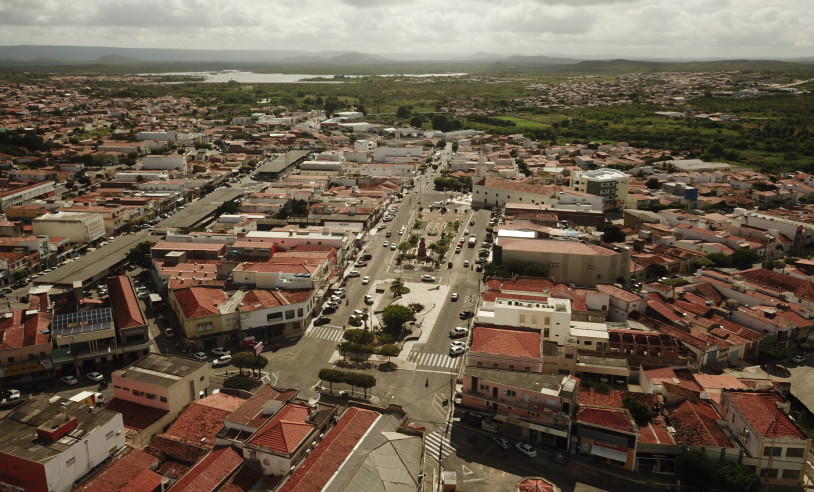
(466, 314)
(458, 331)
(366, 280)
(458, 250)
(382, 226)
(466, 232)
(526, 449)
(466, 263)
(455, 350)
(457, 343)
(70, 380)
(223, 360)
(199, 355)
(329, 310)
(355, 321)
(454, 297)
(94, 376)
(559, 457)
(322, 320)
(361, 264)
(502, 442)
(336, 299)
(479, 268)
(798, 358)
(332, 304)
(386, 244)
(368, 299)
(358, 312)
(388, 234)
(221, 351)
(340, 292)
(354, 273)
(393, 246)
(427, 278)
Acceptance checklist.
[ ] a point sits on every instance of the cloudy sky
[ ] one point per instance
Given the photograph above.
(624, 28)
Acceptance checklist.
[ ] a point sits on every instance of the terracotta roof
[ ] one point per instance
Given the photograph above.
(316, 470)
(135, 416)
(185, 452)
(535, 485)
(210, 472)
(606, 417)
(613, 399)
(506, 342)
(801, 288)
(202, 420)
(696, 424)
(655, 432)
(199, 302)
(131, 467)
(246, 478)
(250, 412)
(126, 309)
(760, 409)
(286, 431)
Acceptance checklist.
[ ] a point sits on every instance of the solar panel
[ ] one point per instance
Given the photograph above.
(82, 322)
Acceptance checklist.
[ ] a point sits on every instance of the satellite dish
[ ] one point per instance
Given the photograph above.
(314, 399)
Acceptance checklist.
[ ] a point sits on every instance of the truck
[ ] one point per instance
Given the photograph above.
(89, 398)
(472, 242)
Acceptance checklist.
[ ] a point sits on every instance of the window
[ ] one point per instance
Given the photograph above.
(772, 451)
(795, 452)
(11, 360)
(109, 435)
(791, 474)
(555, 265)
(590, 267)
(494, 365)
(202, 327)
(511, 367)
(511, 393)
(484, 387)
(769, 473)
(299, 313)
(274, 317)
(289, 314)
(480, 363)
(528, 368)
(163, 399)
(70, 462)
(150, 396)
(588, 342)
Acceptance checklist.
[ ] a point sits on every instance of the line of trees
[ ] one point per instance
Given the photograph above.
(354, 379)
(250, 361)
(358, 345)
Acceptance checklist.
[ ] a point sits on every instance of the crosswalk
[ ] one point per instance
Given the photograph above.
(434, 360)
(437, 446)
(325, 332)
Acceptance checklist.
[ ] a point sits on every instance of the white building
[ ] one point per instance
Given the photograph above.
(389, 154)
(170, 162)
(610, 184)
(549, 315)
(78, 227)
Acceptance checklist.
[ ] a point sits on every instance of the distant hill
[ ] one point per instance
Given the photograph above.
(630, 66)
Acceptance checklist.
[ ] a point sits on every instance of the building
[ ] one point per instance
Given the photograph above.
(610, 184)
(25, 349)
(168, 162)
(47, 444)
(566, 261)
(78, 227)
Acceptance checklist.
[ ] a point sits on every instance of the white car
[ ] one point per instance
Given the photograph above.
(200, 355)
(427, 278)
(454, 296)
(386, 244)
(457, 343)
(455, 350)
(368, 299)
(458, 331)
(393, 246)
(366, 280)
(221, 351)
(94, 376)
(354, 273)
(526, 449)
(70, 380)
(223, 360)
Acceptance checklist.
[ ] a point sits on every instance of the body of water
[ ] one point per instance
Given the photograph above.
(276, 78)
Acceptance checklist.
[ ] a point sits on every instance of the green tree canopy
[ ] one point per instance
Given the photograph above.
(744, 258)
(638, 410)
(243, 359)
(394, 316)
(331, 376)
(139, 255)
(613, 234)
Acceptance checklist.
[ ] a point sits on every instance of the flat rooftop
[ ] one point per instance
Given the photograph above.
(160, 370)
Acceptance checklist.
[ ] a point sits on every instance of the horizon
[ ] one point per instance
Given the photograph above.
(580, 29)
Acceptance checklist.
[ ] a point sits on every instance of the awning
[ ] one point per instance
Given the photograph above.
(612, 454)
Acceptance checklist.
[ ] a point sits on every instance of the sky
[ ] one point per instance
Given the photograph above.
(685, 29)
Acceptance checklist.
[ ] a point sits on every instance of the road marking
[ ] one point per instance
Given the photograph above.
(434, 360)
(467, 471)
(325, 332)
(438, 446)
(474, 480)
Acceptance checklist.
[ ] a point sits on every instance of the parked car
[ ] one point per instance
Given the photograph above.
(393, 246)
(526, 449)
(355, 321)
(361, 263)
(386, 244)
(71, 380)
(368, 299)
(458, 331)
(502, 442)
(221, 351)
(94, 376)
(223, 360)
(559, 457)
(466, 263)
(798, 358)
(466, 314)
(382, 226)
(366, 280)
(427, 278)
(388, 234)
(9, 396)
(457, 343)
(458, 250)
(454, 297)
(329, 310)
(322, 320)
(200, 355)
(456, 350)
(354, 273)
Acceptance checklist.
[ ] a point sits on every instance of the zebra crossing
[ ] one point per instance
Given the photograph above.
(434, 360)
(325, 332)
(437, 446)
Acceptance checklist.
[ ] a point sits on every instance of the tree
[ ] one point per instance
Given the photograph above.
(357, 336)
(416, 122)
(656, 270)
(260, 362)
(653, 184)
(243, 359)
(394, 316)
(364, 381)
(613, 234)
(638, 410)
(737, 478)
(389, 350)
(720, 260)
(744, 258)
(20, 274)
(694, 469)
(139, 255)
(331, 376)
(416, 307)
(403, 112)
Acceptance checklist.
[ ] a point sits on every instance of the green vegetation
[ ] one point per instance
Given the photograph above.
(394, 316)
(139, 255)
(697, 472)
(354, 379)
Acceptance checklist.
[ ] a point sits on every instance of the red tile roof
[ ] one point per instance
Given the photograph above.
(614, 399)
(696, 424)
(199, 302)
(286, 431)
(506, 342)
(210, 472)
(655, 432)
(126, 309)
(801, 288)
(203, 420)
(315, 471)
(132, 465)
(760, 409)
(606, 417)
(185, 452)
(146, 481)
(250, 412)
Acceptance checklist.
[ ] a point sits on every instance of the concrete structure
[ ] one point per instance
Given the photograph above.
(551, 317)
(22, 195)
(78, 227)
(610, 184)
(170, 162)
(567, 261)
(48, 443)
